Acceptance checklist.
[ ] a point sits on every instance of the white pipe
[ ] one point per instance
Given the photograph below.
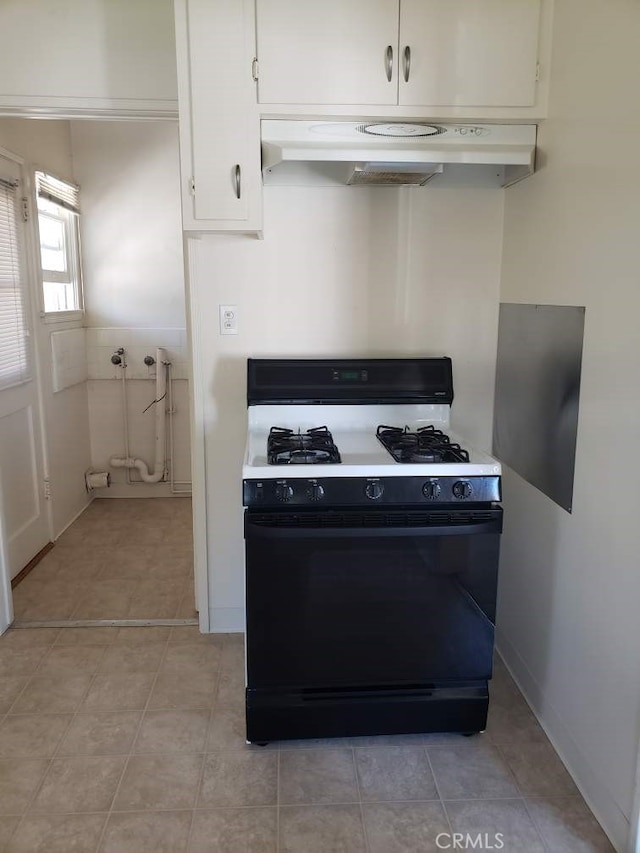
(160, 462)
(125, 407)
(173, 481)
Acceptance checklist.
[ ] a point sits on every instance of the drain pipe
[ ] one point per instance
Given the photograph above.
(160, 462)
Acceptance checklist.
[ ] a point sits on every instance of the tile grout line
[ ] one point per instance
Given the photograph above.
(200, 783)
(133, 742)
(278, 799)
(437, 787)
(511, 772)
(520, 791)
(360, 804)
(535, 824)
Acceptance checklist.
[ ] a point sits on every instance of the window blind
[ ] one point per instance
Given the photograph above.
(15, 352)
(60, 192)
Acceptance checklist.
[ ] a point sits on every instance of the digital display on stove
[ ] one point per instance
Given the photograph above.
(350, 380)
(350, 376)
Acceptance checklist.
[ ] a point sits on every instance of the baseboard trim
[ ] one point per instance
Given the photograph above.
(75, 517)
(31, 565)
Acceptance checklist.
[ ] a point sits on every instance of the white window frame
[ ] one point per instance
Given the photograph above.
(73, 257)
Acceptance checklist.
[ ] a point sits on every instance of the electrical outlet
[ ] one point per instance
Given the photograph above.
(228, 319)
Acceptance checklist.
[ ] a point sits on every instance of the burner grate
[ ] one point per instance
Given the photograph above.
(313, 447)
(426, 444)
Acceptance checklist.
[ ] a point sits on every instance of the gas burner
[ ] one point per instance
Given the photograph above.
(427, 444)
(313, 447)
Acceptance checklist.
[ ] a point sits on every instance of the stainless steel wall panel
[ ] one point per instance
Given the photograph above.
(537, 394)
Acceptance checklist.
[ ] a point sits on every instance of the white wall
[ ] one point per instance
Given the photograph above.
(570, 586)
(131, 227)
(341, 271)
(47, 144)
(134, 284)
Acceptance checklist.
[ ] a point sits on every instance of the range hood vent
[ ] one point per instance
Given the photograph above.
(393, 174)
(400, 153)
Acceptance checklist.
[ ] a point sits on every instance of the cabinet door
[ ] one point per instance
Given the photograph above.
(328, 51)
(219, 126)
(469, 53)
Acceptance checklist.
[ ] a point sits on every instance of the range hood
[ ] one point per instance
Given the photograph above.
(400, 153)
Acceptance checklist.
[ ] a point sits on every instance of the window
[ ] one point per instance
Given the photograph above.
(58, 209)
(15, 353)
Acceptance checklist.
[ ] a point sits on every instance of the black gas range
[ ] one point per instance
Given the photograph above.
(372, 540)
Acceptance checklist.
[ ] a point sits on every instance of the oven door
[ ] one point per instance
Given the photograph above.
(370, 600)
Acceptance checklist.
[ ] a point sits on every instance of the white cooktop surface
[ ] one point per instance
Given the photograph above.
(354, 432)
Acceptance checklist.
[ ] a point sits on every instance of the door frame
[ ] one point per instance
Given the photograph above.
(196, 374)
(6, 597)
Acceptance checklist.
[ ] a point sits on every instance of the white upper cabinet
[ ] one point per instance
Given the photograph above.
(221, 181)
(468, 53)
(102, 57)
(408, 53)
(328, 51)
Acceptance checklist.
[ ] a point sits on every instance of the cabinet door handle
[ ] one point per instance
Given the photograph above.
(407, 63)
(238, 178)
(388, 62)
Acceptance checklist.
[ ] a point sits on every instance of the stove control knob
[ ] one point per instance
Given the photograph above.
(374, 490)
(431, 490)
(284, 492)
(315, 492)
(462, 490)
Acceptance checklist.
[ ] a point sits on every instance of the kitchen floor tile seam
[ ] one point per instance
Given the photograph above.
(364, 803)
(144, 812)
(521, 800)
(192, 808)
(104, 815)
(511, 772)
(535, 822)
(135, 737)
(417, 746)
(562, 799)
(199, 808)
(103, 648)
(317, 805)
(485, 799)
(277, 798)
(438, 792)
(198, 786)
(502, 757)
(70, 714)
(360, 808)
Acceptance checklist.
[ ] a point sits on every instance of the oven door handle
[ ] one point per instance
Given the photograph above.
(260, 531)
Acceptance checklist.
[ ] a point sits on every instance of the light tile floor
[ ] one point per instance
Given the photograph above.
(121, 559)
(131, 740)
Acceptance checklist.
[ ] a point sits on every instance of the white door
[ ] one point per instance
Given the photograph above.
(468, 53)
(26, 523)
(327, 51)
